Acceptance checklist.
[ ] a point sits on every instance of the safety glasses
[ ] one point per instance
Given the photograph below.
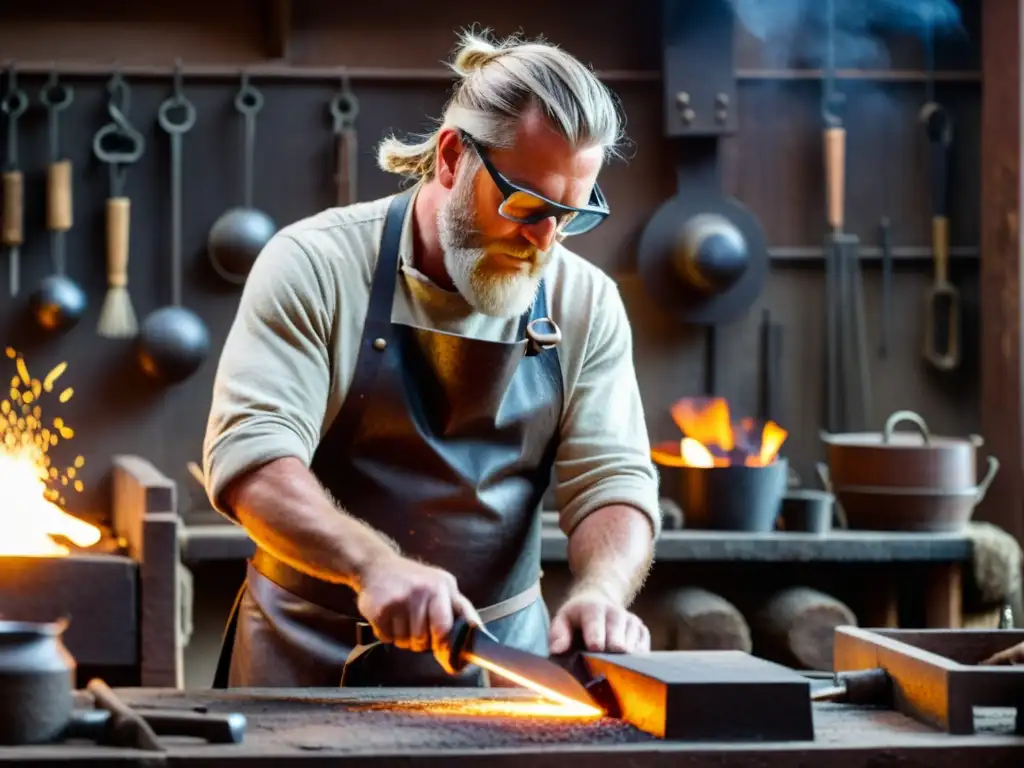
(524, 206)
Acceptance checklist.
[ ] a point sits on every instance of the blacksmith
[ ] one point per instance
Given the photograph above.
(404, 379)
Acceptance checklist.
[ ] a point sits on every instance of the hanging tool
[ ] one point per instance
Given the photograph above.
(59, 302)
(942, 301)
(118, 144)
(344, 110)
(847, 383)
(13, 105)
(834, 142)
(238, 236)
(885, 240)
(174, 341)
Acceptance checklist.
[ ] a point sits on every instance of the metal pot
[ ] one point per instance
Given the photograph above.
(889, 508)
(734, 498)
(37, 682)
(893, 459)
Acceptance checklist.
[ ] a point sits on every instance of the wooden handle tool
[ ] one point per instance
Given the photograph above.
(835, 176)
(58, 196)
(14, 199)
(118, 228)
(13, 227)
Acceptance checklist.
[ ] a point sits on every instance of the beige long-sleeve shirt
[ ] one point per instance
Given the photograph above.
(291, 352)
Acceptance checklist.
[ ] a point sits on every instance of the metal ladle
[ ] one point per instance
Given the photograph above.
(238, 236)
(58, 303)
(174, 341)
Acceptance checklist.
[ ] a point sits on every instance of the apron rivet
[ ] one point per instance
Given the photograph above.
(380, 344)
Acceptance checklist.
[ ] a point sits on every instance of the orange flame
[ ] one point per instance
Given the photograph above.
(713, 439)
(30, 512)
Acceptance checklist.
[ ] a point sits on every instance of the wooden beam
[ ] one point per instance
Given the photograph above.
(1001, 409)
(145, 516)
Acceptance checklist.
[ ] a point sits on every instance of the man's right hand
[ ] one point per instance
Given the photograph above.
(410, 604)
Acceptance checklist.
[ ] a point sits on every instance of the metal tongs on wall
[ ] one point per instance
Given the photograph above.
(847, 382)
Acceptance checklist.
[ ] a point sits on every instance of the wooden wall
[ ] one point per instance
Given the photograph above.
(394, 53)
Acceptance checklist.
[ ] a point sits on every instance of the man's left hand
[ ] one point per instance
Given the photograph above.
(606, 627)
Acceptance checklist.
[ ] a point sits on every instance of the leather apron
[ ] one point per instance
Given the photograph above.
(446, 445)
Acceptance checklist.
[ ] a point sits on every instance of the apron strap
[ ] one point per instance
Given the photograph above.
(227, 643)
(514, 604)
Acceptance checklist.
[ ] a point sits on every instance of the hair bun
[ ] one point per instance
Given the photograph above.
(474, 53)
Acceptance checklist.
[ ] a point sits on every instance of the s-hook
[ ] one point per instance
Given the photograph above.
(118, 143)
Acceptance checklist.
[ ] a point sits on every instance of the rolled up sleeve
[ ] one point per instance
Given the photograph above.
(604, 455)
(273, 379)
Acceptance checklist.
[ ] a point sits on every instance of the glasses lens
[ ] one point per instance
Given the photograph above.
(583, 221)
(522, 206)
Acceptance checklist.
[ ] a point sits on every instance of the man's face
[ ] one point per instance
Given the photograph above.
(496, 264)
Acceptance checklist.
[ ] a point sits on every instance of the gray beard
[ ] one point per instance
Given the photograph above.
(497, 295)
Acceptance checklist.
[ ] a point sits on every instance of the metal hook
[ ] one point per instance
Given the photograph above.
(178, 79)
(248, 100)
(15, 102)
(116, 86)
(165, 115)
(537, 340)
(54, 94)
(129, 151)
(132, 142)
(344, 106)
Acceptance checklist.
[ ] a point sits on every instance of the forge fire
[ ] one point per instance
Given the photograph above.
(712, 438)
(33, 519)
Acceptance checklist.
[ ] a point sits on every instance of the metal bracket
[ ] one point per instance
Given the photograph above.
(698, 68)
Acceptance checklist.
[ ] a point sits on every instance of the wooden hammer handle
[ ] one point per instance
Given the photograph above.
(835, 175)
(118, 219)
(13, 226)
(58, 196)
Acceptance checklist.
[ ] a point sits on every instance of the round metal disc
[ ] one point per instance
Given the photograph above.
(661, 280)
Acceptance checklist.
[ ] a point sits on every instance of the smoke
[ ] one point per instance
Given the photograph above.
(793, 32)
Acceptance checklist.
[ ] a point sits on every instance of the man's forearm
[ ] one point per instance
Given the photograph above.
(286, 512)
(611, 551)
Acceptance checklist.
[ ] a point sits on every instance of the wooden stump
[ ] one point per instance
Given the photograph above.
(796, 626)
(699, 620)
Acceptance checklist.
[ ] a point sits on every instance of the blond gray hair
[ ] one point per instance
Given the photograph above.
(498, 83)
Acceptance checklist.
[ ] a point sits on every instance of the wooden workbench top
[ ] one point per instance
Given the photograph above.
(349, 726)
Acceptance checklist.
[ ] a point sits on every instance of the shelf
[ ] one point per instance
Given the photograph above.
(281, 70)
(223, 541)
(872, 253)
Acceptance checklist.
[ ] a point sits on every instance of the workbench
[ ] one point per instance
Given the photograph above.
(336, 726)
